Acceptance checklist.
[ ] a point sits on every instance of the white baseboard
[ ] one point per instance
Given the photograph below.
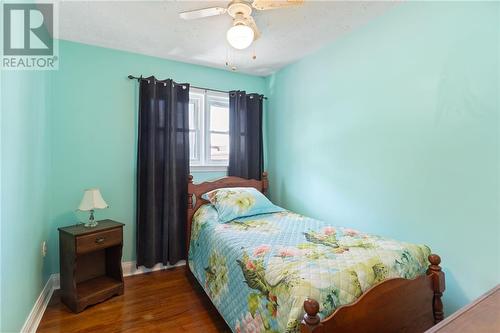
(129, 268)
(36, 314)
(56, 281)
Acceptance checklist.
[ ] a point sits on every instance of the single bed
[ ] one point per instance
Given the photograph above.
(284, 272)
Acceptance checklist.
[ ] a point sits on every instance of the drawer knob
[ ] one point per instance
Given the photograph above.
(99, 240)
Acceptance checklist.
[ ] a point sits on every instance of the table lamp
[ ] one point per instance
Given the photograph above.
(92, 199)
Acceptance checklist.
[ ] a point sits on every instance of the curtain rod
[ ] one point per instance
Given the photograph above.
(131, 77)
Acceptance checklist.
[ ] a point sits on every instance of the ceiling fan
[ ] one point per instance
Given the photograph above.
(244, 30)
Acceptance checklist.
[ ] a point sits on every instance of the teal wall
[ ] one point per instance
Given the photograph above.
(394, 129)
(391, 129)
(94, 129)
(25, 192)
(202, 176)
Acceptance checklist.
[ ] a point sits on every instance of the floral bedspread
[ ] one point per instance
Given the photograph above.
(259, 270)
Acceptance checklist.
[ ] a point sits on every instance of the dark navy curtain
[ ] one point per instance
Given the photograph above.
(246, 154)
(162, 171)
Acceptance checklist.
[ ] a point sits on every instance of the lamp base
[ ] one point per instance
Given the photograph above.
(91, 223)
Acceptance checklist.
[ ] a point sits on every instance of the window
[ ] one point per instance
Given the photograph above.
(208, 130)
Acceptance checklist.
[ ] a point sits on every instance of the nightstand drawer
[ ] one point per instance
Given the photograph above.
(98, 240)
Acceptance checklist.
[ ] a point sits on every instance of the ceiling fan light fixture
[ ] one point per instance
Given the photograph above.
(240, 36)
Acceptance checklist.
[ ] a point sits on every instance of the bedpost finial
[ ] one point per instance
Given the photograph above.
(434, 259)
(311, 319)
(438, 284)
(189, 192)
(265, 182)
(311, 307)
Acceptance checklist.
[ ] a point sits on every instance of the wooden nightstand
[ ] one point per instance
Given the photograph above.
(90, 263)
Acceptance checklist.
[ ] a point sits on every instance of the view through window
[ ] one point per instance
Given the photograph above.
(208, 129)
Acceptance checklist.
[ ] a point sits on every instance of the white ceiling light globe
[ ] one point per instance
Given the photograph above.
(240, 36)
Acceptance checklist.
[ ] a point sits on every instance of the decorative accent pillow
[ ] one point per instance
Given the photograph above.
(235, 202)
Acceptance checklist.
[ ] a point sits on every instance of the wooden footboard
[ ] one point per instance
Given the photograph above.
(395, 305)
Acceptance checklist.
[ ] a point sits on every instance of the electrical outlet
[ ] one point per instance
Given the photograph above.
(44, 248)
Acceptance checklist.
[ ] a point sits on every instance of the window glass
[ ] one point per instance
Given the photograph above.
(192, 146)
(208, 129)
(219, 146)
(192, 116)
(219, 118)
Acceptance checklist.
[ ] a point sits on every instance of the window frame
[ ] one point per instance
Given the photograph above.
(197, 99)
(204, 161)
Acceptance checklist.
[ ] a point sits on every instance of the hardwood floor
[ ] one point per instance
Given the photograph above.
(163, 301)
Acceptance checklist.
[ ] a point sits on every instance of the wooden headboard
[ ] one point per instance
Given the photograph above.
(197, 190)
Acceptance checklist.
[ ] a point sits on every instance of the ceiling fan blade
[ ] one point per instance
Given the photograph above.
(251, 23)
(275, 4)
(201, 13)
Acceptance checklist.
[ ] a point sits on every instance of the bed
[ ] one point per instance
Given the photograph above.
(284, 272)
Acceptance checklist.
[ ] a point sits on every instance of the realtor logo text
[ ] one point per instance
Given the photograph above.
(28, 31)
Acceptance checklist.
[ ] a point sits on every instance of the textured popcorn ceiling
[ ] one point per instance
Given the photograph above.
(154, 28)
